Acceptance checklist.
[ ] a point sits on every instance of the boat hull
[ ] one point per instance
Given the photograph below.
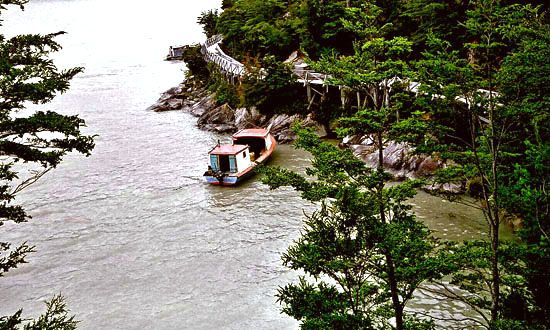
(228, 180)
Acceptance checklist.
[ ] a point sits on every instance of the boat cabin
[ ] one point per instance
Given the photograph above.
(175, 53)
(230, 158)
(256, 139)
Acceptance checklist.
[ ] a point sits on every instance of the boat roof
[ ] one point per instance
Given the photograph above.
(227, 149)
(251, 132)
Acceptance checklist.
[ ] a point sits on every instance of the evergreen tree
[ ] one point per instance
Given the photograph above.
(482, 114)
(365, 239)
(363, 251)
(36, 141)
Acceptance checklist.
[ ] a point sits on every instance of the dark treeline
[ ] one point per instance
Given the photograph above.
(479, 103)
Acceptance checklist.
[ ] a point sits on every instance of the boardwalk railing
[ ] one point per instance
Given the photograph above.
(212, 53)
(232, 68)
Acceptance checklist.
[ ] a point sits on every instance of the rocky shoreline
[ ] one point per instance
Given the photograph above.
(401, 161)
(199, 102)
(399, 158)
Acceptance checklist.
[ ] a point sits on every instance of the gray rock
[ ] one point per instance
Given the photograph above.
(319, 129)
(248, 118)
(204, 105)
(281, 127)
(427, 167)
(399, 158)
(172, 99)
(166, 105)
(220, 128)
(222, 115)
(449, 188)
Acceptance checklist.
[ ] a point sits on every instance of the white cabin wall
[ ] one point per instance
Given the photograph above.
(243, 162)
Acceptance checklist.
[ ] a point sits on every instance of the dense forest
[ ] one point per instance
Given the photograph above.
(480, 102)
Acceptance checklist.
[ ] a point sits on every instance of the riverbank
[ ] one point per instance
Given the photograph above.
(192, 97)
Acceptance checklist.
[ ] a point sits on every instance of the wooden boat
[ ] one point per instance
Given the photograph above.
(175, 53)
(232, 163)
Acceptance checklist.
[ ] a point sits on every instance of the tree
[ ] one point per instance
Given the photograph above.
(505, 113)
(272, 87)
(254, 28)
(365, 239)
(56, 317)
(209, 20)
(364, 252)
(523, 82)
(318, 27)
(35, 142)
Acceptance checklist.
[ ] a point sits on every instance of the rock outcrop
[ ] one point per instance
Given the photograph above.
(201, 106)
(248, 118)
(212, 117)
(220, 119)
(185, 95)
(172, 99)
(401, 161)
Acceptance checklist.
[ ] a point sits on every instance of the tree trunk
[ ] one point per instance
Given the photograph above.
(495, 224)
(495, 293)
(394, 292)
(390, 266)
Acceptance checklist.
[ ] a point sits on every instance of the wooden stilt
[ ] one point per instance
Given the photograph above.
(311, 102)
(343, 97)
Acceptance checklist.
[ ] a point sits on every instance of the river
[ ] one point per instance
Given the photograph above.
(132, 236)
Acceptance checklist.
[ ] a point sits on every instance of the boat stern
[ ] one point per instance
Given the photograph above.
(225, 181)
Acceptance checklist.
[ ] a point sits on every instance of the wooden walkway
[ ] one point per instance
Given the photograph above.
(230, 67)
(212, 53)
(234, 71)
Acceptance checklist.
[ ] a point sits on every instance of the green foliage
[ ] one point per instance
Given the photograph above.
(252, 28)
(363, 238)
(36, 141)
(501, 85)
(196, 66)
(273, 89)
(28, 75)
(56, 318)
(209, 21)
(482, 106)
(440, 17)
(14, 258)
(319, 27)
(257, 28)
(224, 90)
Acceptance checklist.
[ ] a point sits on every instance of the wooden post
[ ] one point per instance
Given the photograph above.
(311, 102)
(358, 100)
(308, 87)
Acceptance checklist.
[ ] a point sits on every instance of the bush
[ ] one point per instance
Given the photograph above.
(273, 89)
(196, 66)
(225, 91)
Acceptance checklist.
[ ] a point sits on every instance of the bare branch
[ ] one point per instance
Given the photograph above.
(31, 180)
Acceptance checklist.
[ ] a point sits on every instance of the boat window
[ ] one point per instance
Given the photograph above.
(214, 162)
(232, 164)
